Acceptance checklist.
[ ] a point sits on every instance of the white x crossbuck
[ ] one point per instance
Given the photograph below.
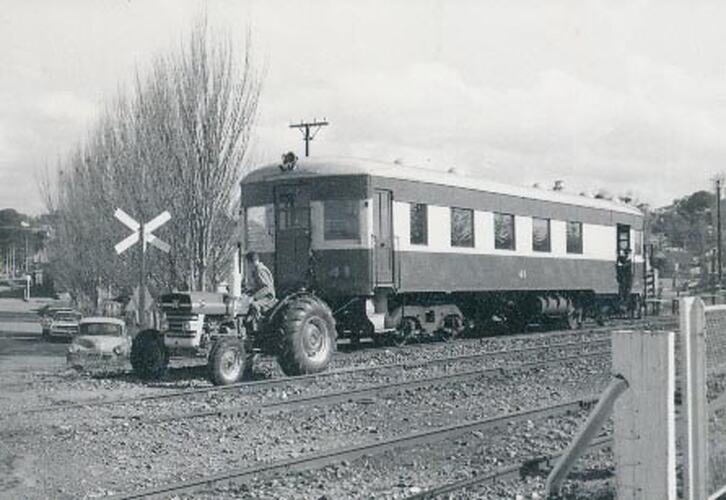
(147, 237)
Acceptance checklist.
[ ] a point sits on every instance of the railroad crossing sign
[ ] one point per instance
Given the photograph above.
(142, 231)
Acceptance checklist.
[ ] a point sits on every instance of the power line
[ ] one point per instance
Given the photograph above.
(305, 129)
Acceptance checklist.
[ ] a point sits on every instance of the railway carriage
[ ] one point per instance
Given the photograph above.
(400, 251)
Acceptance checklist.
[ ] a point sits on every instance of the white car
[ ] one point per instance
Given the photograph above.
(99, 339)
(64, 324)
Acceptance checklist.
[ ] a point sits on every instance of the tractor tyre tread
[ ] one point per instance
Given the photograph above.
(291, 358)
(214, 371)
(149, 357)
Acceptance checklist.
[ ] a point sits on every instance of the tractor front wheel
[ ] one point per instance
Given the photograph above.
(308, 336)
(226, 362)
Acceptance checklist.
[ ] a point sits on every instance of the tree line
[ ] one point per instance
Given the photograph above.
(178, 140)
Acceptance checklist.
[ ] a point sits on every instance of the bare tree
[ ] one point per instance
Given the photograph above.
(177, 141)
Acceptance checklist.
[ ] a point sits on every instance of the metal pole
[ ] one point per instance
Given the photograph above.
(718, 228)
(142, 279)
(587, 433)
(307, 141)
(26, 252)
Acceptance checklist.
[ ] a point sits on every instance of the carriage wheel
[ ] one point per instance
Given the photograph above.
(405, 332)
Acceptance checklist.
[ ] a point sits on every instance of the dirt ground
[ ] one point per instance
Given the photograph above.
(92, 451)
(31, 370)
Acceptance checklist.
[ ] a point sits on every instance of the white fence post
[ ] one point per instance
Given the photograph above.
(644, 416)
(693, 334)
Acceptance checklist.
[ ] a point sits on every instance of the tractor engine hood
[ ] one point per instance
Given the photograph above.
(194, 302)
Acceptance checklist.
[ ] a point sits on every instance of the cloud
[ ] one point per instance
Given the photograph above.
(65, 105)
(623, 95)
(659, 119)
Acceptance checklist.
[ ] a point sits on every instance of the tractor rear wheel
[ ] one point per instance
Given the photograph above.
(149, 357)
(308, 336)
(226, 362)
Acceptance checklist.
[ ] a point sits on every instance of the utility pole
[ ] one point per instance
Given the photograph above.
(305, 129)
(142, 279)
(26, 228)
(718, 228)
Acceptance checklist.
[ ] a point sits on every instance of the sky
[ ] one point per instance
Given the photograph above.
(626, 96)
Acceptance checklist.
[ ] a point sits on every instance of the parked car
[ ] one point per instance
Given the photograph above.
(64, 324)
(46, 314)
(99, 339)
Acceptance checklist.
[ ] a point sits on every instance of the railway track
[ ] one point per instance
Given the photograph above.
(525, 468)
(266, 383)
(367, 392)
(533, 336)
(327, 457)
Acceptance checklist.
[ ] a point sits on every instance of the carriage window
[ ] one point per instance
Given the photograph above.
(341, 220)
(290, 215)
(540, 235)
(419, 224)
(504, 232)
(462, 227)
(259, 227)
(574, 237)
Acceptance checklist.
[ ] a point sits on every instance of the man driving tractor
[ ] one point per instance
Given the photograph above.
(260, 285)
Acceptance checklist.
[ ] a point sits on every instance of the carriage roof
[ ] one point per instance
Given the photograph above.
(338, 166)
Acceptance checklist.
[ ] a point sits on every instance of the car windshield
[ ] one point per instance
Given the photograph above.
(66, 317)
(101, 329)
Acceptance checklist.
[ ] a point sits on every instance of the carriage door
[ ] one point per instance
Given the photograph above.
(624, 267)
(292, 239)
(623, 231)
(383, 237)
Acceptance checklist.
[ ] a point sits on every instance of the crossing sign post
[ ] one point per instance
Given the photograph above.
(142, 233)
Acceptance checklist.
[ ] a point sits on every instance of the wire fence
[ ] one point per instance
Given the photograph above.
(715, 371)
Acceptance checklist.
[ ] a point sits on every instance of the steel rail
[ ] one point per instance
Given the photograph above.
(532, 336)
(371, 391)
(331, 398)
(343, 371)
(405, 365)
(508, 472)
(327, 457)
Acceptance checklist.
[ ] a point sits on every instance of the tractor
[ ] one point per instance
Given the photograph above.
(299, 330)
